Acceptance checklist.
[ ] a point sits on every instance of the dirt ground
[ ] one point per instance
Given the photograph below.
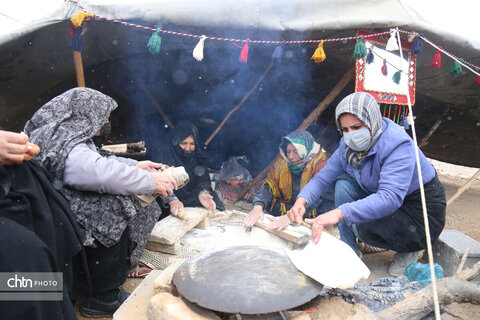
(463, 215)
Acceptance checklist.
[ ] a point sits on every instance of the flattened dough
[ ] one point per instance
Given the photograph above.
(331, 262)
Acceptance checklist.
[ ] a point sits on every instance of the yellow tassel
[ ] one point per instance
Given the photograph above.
(319, 54)
(78, 18)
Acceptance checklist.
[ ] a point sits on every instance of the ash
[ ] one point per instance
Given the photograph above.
(377, 295)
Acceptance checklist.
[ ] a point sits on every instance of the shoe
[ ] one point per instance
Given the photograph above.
(96, 308)
(139, 272)
(402, 261)
(366, 248)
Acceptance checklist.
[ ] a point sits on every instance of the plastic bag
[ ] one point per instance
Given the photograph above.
(421, 272)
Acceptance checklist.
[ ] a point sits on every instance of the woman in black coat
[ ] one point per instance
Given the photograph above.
(182, 147)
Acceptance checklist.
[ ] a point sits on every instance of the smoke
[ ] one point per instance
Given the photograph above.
(190, 90)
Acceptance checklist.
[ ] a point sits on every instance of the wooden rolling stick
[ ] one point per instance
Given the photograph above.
(182, 215)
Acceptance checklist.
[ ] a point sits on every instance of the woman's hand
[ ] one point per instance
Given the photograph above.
(149, 165)
(295, 214)
(164, 185)
(175, 206)
(253, 216)
(327, 219)
(207, 201)
(278, 223)
(15, 148)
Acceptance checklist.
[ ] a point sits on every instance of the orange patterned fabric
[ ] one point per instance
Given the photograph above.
(279, 179)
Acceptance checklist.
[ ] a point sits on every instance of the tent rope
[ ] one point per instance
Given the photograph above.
(422, 195)
(470, 66)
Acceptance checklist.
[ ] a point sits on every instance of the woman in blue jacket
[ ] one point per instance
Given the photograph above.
(378, 199)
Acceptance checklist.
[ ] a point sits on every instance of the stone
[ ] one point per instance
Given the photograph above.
(164, 306)
(334, 308)
(170, 229)
(135, 306)
(163, 283)
(448, 251)
(175, 248)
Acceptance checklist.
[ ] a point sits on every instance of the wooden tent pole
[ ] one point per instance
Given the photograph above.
(328, 99)
(316, 113)
(151, 98)
(465, 187)
(252, 89)
(434, 128)
(155, 103)
(77, 61)
(325, 129)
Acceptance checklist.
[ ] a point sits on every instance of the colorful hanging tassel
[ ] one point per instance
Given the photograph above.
(455, 68)
(478, 81)
(392, 44)
(79, 17)
(384, 67)
(319, 54)
(198, 50)
(437, 60)
(396, 77)
(370, 56)
(417, 46)
(76, 41)
(244, 53)
(278, 53)
(154, 43)
(360, 50)
(71, 31)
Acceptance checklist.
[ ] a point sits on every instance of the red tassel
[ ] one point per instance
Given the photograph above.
(437, 60)
(478, 81)
(384, 67)
(71, 31)
(244, 53)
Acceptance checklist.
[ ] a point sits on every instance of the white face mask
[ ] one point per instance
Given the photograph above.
(358, 140)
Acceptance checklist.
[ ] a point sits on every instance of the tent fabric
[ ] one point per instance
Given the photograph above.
(36, 60)
(276, 15)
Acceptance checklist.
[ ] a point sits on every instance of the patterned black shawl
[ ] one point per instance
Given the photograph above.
(57, 127)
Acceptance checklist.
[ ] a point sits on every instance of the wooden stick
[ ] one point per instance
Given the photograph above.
(470, 273)
(319, 138)
(125, 147)
(77, 61)
(287, 233)
(316, 113)
(466, 186)
(464, 258)
(434, 128)
(154, 102)
(150, 97)
(420, 303)
(252, 89)
(451, 312)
